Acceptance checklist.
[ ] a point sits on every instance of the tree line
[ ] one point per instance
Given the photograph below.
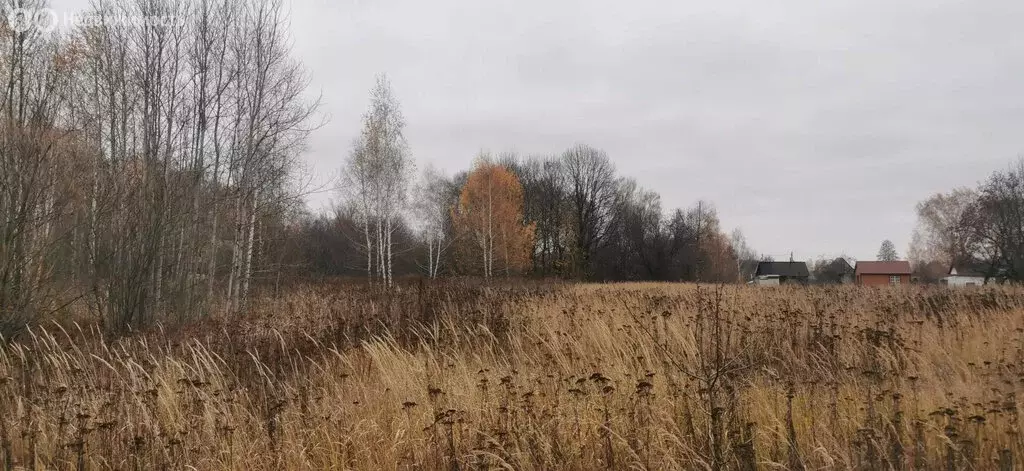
(568, 215)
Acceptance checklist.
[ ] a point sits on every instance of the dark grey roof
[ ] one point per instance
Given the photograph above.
(789, 269)
(839, 266)
(748, 266)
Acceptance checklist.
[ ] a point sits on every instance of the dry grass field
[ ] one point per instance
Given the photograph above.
(642, 376)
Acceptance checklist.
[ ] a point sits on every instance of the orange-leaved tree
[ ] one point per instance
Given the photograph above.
(493, 235)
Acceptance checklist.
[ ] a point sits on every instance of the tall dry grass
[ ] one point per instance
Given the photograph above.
(649, 376)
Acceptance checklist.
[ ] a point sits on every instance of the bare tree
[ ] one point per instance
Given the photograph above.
(379, 171)
(746, 256)
(641, 244)
(592, 191)
(358, 187)
(941, 234)
(215, 73)
(433, 205)
(272, 122)
(996, 223)
(546, 204)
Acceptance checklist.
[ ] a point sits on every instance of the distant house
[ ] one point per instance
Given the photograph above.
(883, 273)
(965, 276)
(781, 273)
(838, 271)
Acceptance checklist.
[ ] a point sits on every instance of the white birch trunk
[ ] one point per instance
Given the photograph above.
(380, 249)
(247, 269)
(389, 229)
(236, 255)
(369, 249)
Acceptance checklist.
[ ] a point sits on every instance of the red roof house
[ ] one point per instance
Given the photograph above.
(883, 273)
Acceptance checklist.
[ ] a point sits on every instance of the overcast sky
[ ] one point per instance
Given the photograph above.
(813, 126)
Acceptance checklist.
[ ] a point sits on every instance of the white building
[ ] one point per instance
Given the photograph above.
(964, 277)
(765, 280)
